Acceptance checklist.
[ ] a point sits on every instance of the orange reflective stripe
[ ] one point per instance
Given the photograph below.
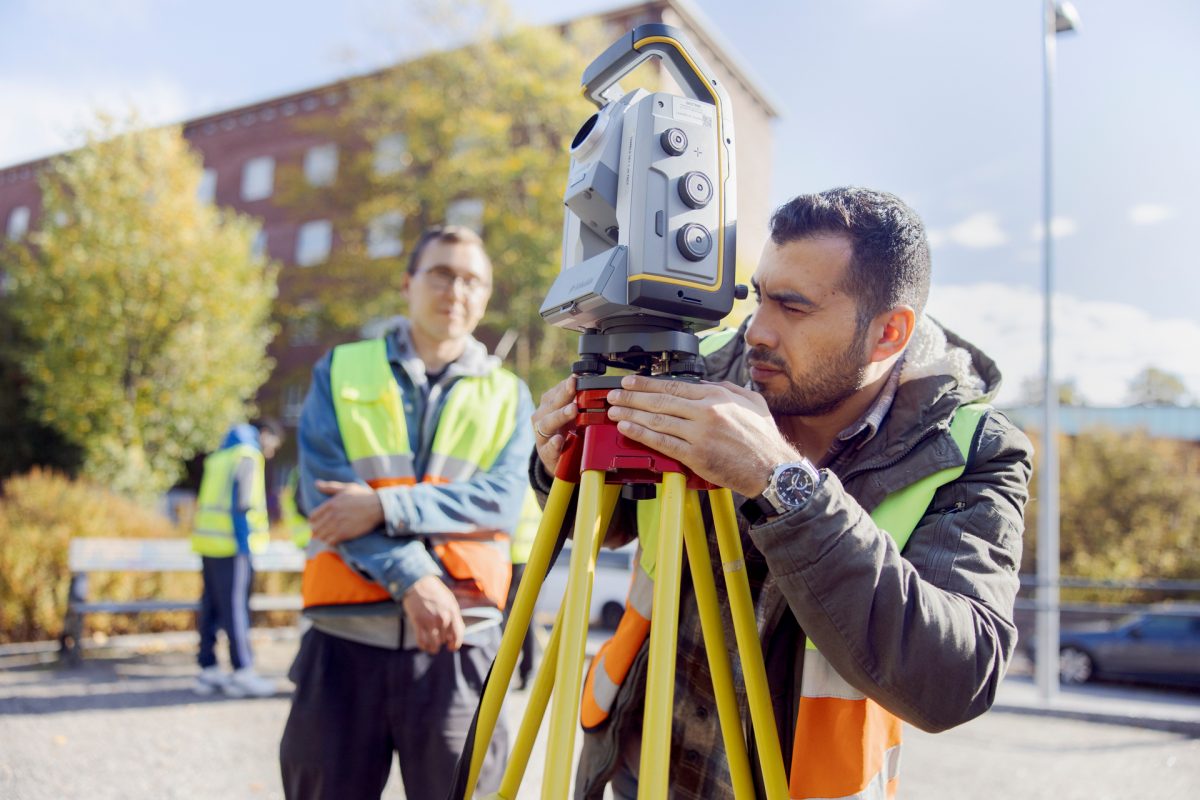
(481, 563)
(328, 581)
(841, 747)
(379, 483)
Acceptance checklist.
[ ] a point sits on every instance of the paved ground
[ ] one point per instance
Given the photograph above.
(126, 725)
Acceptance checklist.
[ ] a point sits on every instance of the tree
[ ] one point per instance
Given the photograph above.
(142, 311)
(1155, 387)
(1130, 509)
(482, 130)
(1068, 392)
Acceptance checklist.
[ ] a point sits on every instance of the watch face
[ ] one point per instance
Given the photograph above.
(795, 485)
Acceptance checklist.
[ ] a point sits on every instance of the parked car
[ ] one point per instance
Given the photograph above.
(1159, 645)
(614, 571)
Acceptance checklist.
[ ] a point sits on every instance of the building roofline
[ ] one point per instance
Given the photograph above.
(703, 28)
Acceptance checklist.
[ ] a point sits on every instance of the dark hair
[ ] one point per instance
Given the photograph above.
(452, 234)
(890, 261)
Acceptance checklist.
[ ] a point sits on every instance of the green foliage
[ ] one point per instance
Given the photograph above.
(491, 121)
(142, 311)
(1130, 509)
(1156, 387)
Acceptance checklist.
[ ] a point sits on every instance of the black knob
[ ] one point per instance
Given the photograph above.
(741, 291)
(695, 242)
(695, 189)
(674, 141)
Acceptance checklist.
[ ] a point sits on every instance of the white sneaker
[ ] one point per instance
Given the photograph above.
(209, 680)
(246, 682)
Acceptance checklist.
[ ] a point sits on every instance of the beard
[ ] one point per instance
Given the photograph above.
(824, 390)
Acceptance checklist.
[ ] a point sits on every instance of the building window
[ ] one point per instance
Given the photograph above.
(206, 192)
(258, 178)
(391, 154)
(18, 222)
(467, 212)
(258, 247)
(305, 329)
(320, 164)
(313, 242)
(384, 235)
(293, 402)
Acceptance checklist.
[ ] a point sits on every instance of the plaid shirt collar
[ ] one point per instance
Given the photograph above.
(861, 431)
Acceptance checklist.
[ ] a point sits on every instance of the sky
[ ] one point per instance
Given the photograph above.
(939, 101)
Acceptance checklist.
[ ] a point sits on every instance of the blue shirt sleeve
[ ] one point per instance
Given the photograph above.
(323, 457)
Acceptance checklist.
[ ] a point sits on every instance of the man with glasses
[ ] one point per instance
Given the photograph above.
(412, 471)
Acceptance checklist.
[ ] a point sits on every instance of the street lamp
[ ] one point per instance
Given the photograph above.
(1059, 17)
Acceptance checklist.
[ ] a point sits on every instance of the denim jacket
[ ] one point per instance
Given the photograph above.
(395, 555)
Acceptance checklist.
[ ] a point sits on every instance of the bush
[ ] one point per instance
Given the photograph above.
(40, 512)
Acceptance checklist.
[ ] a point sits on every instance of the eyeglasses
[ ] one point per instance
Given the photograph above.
(444, 279)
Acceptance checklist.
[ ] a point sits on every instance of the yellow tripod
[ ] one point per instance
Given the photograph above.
(597, 461)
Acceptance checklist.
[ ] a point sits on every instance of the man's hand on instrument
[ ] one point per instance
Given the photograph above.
(721, 431)
(351, 511)
(552, 414)
(434, 613)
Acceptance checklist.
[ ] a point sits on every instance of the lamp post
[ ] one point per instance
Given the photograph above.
(1058, 17)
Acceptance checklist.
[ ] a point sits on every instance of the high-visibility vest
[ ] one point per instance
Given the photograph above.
(297, 523)
(212, 528)
(526, 530)
(846, 745)
(476, 422)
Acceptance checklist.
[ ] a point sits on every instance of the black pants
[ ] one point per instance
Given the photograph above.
(355, 705)
(529, 643)
(225, 605)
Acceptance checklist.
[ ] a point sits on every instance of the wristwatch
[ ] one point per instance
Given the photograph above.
(790, 487)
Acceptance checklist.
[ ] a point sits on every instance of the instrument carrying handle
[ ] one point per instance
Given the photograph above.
(643, 42)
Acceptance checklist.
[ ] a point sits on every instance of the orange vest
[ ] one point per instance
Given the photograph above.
(476, 421)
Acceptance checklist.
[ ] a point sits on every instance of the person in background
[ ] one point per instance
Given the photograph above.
(230, 524)
(412, 473)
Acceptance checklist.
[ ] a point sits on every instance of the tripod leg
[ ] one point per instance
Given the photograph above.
(660, 680)
(705, 587)
(543, 684)
(741, 606)
(568, 680)
(518, 623)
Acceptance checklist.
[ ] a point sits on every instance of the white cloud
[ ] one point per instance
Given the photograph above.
(1150, 213)
(978, 231)
(1059, 227)
(1099, 345)
(41, 119)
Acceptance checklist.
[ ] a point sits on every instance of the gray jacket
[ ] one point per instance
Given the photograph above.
(927, 633)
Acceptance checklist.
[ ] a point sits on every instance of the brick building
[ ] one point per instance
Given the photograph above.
(244, 150)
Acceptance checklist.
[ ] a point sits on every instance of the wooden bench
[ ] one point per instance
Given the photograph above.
(154, 555)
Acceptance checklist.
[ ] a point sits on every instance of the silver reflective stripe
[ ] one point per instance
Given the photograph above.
(373, 468)
(604, 691)
(641, 592)
(877, 788)
(821, 680)
(450, 468)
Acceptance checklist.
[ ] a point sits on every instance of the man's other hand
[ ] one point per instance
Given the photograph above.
(351, 511)
(552, 415)
(435, 614)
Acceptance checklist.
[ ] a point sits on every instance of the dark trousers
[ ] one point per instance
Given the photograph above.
(355, 705)
(225, 605)
(529, 643)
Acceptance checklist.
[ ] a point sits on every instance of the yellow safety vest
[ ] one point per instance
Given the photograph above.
(476, 422)
(526, 530)
(296, 522)
(212, 529)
